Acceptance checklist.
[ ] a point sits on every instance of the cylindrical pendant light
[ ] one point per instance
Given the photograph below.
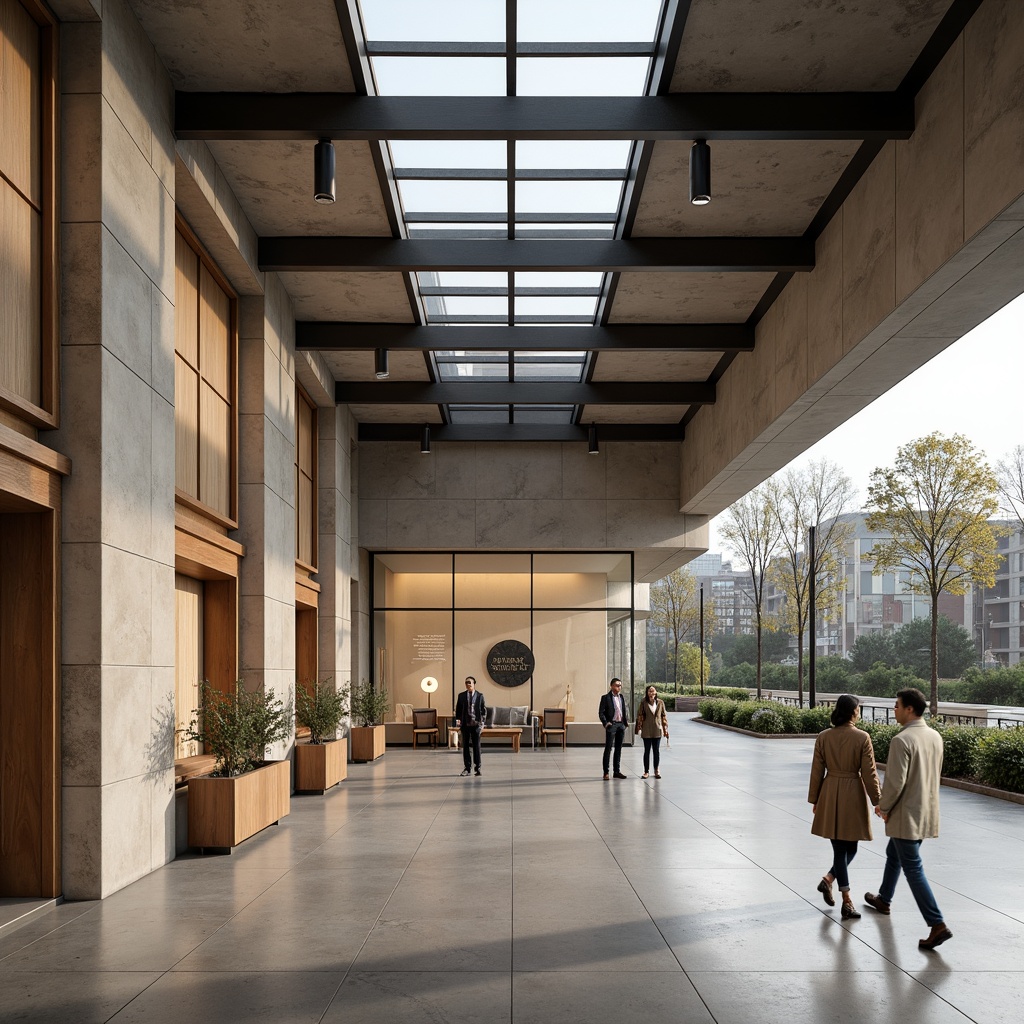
(592, 448)
(425, 441)
(380, 364)
(700, 173)
(323, 171)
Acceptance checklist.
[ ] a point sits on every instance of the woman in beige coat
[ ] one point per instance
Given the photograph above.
(652, 724)
(844, 785)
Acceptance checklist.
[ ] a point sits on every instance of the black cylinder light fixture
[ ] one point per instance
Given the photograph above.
(700, 173)
(380, 364)
(592, 448)
(425, 441)
(323, 171)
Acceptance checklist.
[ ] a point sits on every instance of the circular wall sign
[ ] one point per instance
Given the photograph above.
(510, 663)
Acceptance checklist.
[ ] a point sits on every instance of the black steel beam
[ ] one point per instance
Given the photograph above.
(520, 432)
(342, 336)
(349, 254)
(269, 116)
(479, 392)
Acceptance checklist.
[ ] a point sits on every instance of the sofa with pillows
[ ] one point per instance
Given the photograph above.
(502, 716)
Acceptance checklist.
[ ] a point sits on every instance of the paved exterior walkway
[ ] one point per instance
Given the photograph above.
(540, 893)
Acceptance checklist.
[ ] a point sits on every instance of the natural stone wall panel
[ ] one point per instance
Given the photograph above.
(373, 523)
(583, 475)
(372, 296)
(761, 188)
(401, 472)
(869, 249)
(640, 470)
(641, 364)
(308, 53)
(442, 523)
(687, 298)
(518, 471)
(930, 178)
(994, 111)
(791, 344)
(454, 469)
(276, 179)
(633, 413)
(825, 302)
(802, 45)
(81, 158)
(512, 523)
(402, 364)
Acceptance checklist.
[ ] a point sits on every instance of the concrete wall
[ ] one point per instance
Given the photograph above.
(929, 243)
(117, 425)
(528, 497)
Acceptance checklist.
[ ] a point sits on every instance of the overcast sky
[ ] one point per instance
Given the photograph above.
(971, 388)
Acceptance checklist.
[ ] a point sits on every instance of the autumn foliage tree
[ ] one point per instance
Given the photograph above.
(936, 501)
(675, 607)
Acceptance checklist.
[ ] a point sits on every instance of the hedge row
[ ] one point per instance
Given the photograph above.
(992, 756)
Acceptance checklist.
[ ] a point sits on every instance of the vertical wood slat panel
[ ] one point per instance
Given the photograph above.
(305, 436)
(20, 137)
(220, 633)
(214, 334)
(214, 450)
(305, 519)
(188, 659)
(24, 600)
(20, 295)
(186, 300)
(186, 427)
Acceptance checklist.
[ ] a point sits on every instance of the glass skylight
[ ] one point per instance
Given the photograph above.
(532, 189)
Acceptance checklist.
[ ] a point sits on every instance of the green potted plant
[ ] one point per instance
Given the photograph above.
(369, 706)
(321, 761)
(244, 793)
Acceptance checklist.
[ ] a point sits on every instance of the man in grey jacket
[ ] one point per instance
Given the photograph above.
(909, 806)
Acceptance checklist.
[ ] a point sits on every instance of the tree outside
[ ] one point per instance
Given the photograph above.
(735, 649)
(752, 529)
(689, 665)
(1010, 482)
(818, 495)
(675, 608)
(955, 648)
(936, 501)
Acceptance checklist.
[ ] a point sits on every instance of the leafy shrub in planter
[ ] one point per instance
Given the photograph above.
(707, 708)
(815, 719)
(369, 705)
(1001, 758)
(320, 708)
(960, 749)
(881, 736)
(238, 727)
(743, 712)
(767, 720)
(727, 711)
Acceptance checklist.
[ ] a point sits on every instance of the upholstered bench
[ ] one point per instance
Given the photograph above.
(503, 716)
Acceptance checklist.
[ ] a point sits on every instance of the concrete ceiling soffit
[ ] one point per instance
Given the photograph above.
(395, 413)
(274, 184)
(687, 298)
(633, 413)
(359, 365)
(803, 45)
(372, 297)
(642, 365)
(262, 45)
(760, 188)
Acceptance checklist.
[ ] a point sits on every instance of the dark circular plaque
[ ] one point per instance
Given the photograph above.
(510, 663)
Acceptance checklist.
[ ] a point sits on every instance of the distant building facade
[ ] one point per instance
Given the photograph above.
(998, 612)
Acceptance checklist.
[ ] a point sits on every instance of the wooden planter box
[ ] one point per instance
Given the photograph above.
(367, 742)
(224, 812)
(318, 766)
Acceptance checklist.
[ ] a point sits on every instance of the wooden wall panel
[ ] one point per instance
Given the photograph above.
(20, 307)
(214, 334)
(304, 520)
(220, 632)
(305, 646)
(214, 450)
(29, 775)
(188, 659)
(186, 427)
(186, 300)
(305, 437)
(20, 149)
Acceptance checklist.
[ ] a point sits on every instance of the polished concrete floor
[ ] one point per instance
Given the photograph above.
(540, 893)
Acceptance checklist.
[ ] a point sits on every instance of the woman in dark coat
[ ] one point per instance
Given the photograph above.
(844, 786)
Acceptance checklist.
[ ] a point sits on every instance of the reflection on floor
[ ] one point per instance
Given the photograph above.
(536, 893)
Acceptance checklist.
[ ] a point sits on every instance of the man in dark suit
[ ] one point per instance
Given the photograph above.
(470, 710)
(614, 717)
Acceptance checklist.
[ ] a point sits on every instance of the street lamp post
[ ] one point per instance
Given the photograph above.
(702, 639)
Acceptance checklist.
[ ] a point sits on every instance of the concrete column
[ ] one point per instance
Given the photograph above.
(334, 558)
(117, 426)
(266, 491)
